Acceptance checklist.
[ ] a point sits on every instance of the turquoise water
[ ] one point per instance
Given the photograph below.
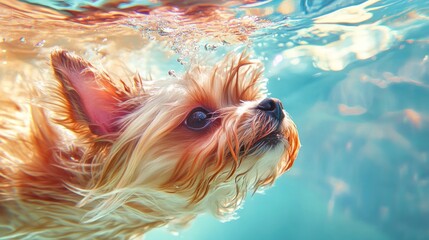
(354, 76)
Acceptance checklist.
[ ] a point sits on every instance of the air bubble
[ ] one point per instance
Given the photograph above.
(172, 73)
(225, 42)
(164, 31)
(181, 61)
(22, 39)
(40, 44)
(210, 47)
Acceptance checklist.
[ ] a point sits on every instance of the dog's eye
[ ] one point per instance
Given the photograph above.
(198, 119)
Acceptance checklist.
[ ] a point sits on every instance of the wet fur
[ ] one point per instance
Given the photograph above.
(67, 172)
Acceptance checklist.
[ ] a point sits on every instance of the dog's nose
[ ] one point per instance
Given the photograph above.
(273, 107)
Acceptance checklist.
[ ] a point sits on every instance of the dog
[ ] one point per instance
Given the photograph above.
(88, 156)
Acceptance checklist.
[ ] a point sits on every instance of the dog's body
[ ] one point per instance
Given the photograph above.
(89, 157)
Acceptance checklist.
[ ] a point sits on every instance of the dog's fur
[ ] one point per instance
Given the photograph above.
(90, 157)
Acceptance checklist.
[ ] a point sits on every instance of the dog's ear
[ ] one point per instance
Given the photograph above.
(91, 96)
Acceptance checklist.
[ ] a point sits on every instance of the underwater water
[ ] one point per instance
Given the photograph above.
(353, 75)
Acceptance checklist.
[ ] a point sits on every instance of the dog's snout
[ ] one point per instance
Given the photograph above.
(272, 107)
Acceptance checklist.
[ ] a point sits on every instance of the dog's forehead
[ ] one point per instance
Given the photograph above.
(230, 82)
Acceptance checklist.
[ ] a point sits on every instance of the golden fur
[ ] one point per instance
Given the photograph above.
(91, 157)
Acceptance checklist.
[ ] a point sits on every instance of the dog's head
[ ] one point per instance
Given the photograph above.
(173, 148)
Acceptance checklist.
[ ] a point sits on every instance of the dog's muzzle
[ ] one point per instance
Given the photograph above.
(271, 112)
